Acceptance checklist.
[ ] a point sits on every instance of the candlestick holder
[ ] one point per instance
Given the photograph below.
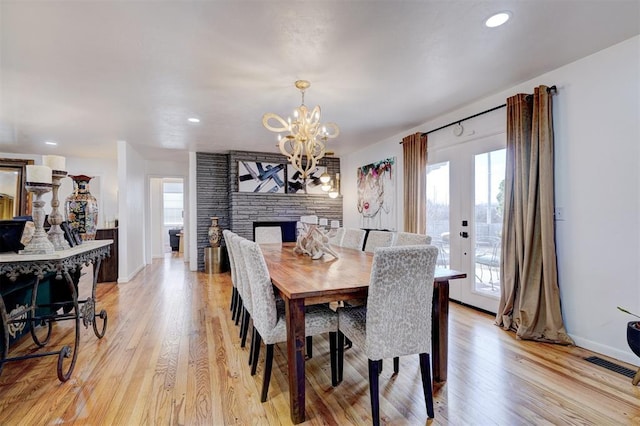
(56, 234)
(39, 244)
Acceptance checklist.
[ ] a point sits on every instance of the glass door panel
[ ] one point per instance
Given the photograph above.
(438, 209)
(488, 206)
(464, 215)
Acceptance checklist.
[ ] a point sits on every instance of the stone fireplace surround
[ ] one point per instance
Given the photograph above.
(217, 195)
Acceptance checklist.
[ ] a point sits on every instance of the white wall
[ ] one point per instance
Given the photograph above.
(191, 212)
(131, 211)
(156, 228)
(103, 186)
(597, 140)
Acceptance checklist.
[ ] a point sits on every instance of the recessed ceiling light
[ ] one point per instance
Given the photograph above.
(497, 19)
(51, 143)
(193, 120)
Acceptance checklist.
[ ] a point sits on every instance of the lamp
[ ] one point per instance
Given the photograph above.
(335, 188)
(305, 136)
(325, 178)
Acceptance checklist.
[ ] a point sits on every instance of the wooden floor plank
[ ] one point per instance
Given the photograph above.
(172, 355)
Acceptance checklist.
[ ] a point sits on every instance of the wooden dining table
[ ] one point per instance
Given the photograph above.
(303, 281)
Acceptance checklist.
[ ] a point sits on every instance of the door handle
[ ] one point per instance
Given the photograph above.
(464, 234)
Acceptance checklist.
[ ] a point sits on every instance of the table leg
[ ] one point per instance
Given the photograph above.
(99, 332)
(295, 357)
(440, 329)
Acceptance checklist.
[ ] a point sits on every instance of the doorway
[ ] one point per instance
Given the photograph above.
(465, 185)
(167, 216)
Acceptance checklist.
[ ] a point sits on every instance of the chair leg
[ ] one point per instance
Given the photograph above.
(245, 328)
(237, 304)
(333, 339)
(239, 309)
(309, 347)
(348, 343)
(396, 365)
(255, 344)
(374, 372)
(340, 355)
(267, 373)
(425, 370)
(233, 299)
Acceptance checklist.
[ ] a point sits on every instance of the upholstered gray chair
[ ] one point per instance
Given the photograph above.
(269, 323)
(411, 239)
(234, 280)
(232, 249)
(377, 239)
(268, 235)
(244, 289)
(396, 320)
(353, 238)
(335, 237)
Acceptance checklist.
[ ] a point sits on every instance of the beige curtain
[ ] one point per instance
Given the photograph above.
(414, 150)
(530, 297)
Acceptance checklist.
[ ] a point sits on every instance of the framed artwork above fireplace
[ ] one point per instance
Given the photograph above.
(256, 176)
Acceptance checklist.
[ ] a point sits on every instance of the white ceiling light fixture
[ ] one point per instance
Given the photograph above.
(305, 137)
(52, 143)
(193, 120)
(497, 19)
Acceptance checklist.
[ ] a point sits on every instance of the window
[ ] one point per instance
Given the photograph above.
(172, 201)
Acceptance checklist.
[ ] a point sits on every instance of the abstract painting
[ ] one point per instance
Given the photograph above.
(377, 195)
(260, 177)
(295, 183)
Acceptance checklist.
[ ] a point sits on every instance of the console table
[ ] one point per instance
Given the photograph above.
(60, 263)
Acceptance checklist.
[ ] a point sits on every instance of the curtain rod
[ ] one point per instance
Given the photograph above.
(551, 89)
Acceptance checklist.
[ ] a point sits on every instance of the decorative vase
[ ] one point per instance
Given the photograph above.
(215, 233)
(82, 208)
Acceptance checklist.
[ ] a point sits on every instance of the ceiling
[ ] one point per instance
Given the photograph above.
(87, 74)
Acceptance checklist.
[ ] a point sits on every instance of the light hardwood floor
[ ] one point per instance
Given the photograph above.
(171, 356)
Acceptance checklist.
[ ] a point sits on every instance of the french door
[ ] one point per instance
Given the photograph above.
(465, 184)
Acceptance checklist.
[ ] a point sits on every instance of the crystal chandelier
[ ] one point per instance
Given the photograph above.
(304, 137)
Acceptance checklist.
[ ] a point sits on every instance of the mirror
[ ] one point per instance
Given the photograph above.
(14, 199)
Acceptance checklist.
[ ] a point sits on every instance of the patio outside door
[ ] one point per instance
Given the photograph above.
(465, 185)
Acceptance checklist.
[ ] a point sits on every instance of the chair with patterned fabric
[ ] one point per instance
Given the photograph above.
(401, 287)
(411, 239)
(269, 323)
(353, 238)
(335, 236)
(243, 288)
(377, 239)
(232, 269)
(268, 235)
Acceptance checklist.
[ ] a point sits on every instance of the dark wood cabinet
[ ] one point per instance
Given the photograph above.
(109, 267)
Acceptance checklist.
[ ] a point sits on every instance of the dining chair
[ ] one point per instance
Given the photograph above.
(353, 238)
(377, 239)
(227, 235)
(335, 236)
(411, 239)
(400, 287)
(233, 252)
(488, 254)
(268, 235)
(244, 289)
(269, 323)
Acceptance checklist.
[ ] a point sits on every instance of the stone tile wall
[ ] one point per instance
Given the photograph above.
(217, 189)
